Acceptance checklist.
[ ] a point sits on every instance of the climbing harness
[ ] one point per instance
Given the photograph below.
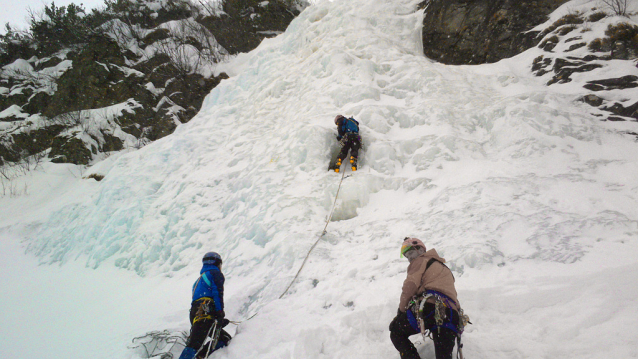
(441, 320)
(441, 303)
(203, 312)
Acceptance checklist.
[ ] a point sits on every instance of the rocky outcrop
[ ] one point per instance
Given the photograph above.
(621, 41)
(484, 31)
(625, 82)
(132, 82)
(97, 79)
(481, 31)
(245, 23)
(30, 142)
(579, 56)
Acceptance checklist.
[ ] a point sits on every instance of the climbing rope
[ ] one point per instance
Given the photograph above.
(334, 205)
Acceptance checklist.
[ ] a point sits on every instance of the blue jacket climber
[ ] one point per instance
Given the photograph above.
(207, 309)
(210, 285)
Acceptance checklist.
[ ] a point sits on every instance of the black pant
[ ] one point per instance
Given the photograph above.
(201, 324)
(352, 143)
(401, 330)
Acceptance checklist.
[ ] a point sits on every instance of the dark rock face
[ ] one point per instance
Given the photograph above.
(248, 22)
(565, 68)
(31, 142)
(625, 82)
(94, 81)
(620, 110)
(481, 31)
(69, 150)
(592, 100)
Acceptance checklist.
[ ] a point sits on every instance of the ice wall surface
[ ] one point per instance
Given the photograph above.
(511, 181)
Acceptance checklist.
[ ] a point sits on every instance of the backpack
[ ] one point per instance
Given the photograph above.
(351, 125)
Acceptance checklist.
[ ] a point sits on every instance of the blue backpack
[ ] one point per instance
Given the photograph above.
(351, 125)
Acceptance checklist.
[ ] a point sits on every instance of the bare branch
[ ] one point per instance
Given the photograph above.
(618, 7)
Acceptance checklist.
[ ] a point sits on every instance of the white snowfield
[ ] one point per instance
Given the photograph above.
(531, 199)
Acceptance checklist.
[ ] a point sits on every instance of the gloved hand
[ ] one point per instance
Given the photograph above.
(338, 138)
(219, 315)
(225, 322)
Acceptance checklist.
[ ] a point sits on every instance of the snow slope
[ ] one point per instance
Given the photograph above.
(529, 197)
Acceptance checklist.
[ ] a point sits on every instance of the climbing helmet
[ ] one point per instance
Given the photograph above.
(212, 258)
(410, 243)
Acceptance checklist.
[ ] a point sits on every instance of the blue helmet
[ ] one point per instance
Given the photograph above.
(212, 258)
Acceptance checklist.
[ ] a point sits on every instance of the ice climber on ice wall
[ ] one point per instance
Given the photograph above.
(349, 140)
(207, 310)
(428, 302)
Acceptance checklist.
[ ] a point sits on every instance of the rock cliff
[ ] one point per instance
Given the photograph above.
(120, 77)
(481, 31)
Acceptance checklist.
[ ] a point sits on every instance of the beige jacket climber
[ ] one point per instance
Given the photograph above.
(438, 277)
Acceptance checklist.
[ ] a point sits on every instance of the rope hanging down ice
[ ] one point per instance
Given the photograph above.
(334, 205)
